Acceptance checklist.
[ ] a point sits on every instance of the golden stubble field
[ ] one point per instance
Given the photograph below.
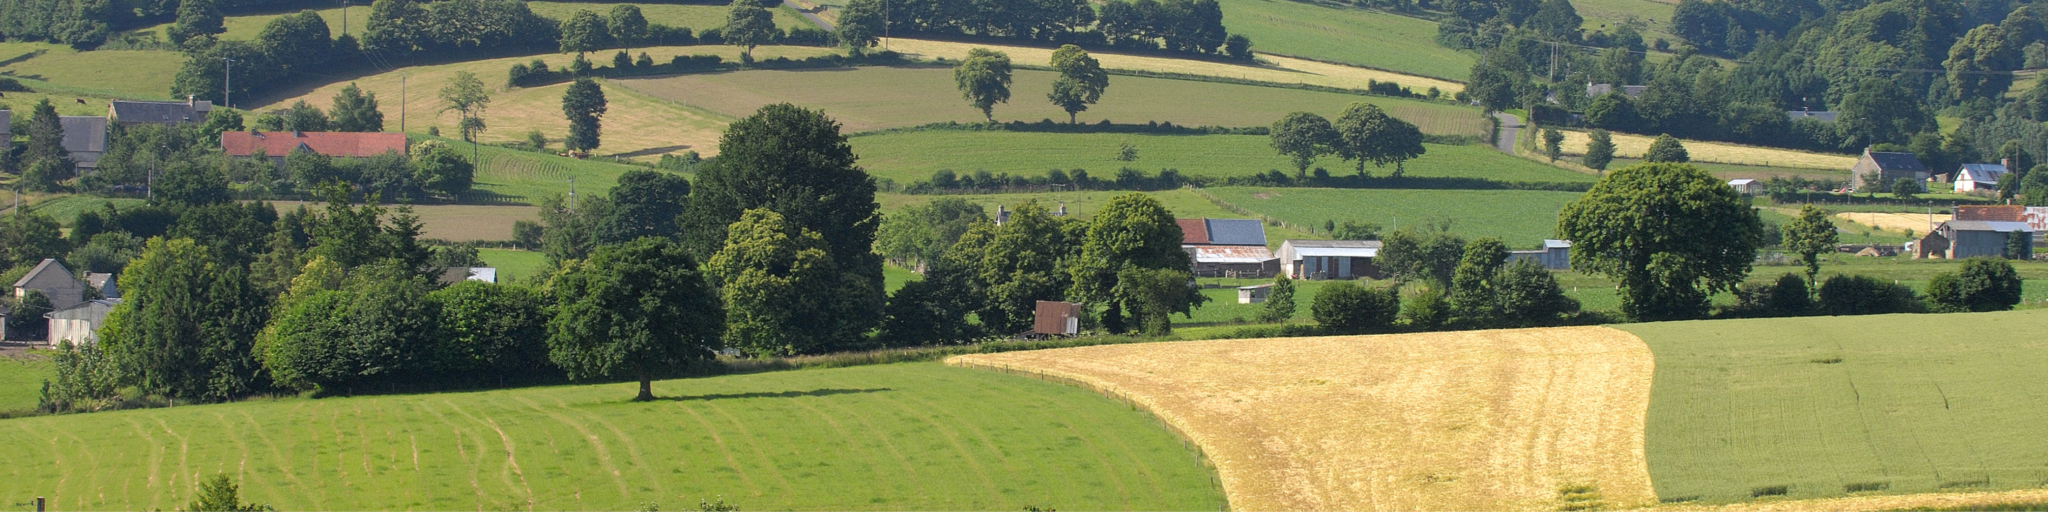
(1633, 146)
(1276, 69)
(1483, 420)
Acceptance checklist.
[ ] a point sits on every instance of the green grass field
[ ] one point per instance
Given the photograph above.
(1650, 17)
(65, 209)
(514, 265)
(694, 17)
(525, 177)
(1522, 218)
(1756, 172)
(894, 437)
(913, 156)
(1182, 202)
(21, 378)
(1826, 406)
(1358, 37)
(873, 98)
(894, 277)
(63, 74)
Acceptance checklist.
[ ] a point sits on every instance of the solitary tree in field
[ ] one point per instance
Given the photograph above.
(1809, 236)
(1302, 137)
(355, 111)
(1080, 83)
(860, 25)
(1666, 149)
(1599, 150)
(1672, 233)
(1368, 134)
(747, 25)
(984, 80)
(584, 32)
(635, 309)
(467, 96)
(584, 105)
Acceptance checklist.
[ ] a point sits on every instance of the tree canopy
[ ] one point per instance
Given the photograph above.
(1081, 81)
(984, 79)
(1672, 234)
(637, 309)
(584, 104)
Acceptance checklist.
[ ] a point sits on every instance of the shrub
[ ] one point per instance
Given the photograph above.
(1428, 309)
(1280, 303)
(1525, 294)
(493, 333)
(1864, 295)
(1349, 307)
(11, 85)
(1786, 297)
(1983, 284)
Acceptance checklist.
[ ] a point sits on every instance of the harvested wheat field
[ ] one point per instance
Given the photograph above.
(1915, 222)
(1633, 146)
(2005, 500)
(1277, 69)
(1484, 420)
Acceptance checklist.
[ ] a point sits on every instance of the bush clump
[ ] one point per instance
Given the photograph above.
(1350, 308)
(1983, 284)
(1865, 295)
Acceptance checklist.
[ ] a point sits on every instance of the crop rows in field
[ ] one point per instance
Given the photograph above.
(1826, 406)
(894, 437)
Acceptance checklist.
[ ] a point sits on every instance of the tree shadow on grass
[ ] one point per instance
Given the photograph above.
(780, 394)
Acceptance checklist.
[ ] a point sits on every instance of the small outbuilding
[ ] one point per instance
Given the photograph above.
(1056, 319)
(1330, 259)
(1972, 238)
(79, 324)
(1747, 187)
(1254, 294)
(1555, 255)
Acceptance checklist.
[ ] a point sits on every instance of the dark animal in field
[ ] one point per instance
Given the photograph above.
(80, 101)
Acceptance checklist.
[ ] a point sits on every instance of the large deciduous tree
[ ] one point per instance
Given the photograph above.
(861, 24)
(984, 80)
(628, 26)
(748, 25)
(186, 324)
(1132, 231)
(1671, 233)
(1303, 137)
(584, 32)
(1015, 265)
(196, 18)
(584, 104)
(644, 203)
(354, 111)
(467, 96)
(795, 162)
(779, 283)
(1979, 64)
(636, 309)
(1368, 134)
(1081, 81)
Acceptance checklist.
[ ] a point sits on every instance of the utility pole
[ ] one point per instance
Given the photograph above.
(227, 90)
(401, 103)
(344, 17)
(885, 25)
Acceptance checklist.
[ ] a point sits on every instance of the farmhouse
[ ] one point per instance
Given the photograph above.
(1747, 187)
(79, 324)
(276, 145)
(56, 282)
(1979, 177)
(1228, 247)
(1887, 167)
(127, 113)
(85, 137)
(1825, 116)
(1555, 255)
(1329, 259)
(1971, 238)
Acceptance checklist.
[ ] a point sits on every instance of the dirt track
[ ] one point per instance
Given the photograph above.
(1488, 420)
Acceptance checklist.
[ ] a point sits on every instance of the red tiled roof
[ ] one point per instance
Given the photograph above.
(1193, 231)
(344, 144)
(1991, 213)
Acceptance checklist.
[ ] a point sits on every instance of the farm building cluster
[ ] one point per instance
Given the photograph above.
(85, 137)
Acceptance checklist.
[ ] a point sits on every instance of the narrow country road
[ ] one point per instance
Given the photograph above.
(822, 24)
(1510, 126)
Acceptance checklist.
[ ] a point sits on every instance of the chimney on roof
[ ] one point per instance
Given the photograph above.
(191, 100)
(298, 134)
(2005, 162)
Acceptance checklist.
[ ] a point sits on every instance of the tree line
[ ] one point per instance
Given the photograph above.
(1179, 26)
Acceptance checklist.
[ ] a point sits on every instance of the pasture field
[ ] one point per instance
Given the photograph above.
(454, 222)
(1651, 18)
(891, 437)
(1082, 204)
(1358, 37)
(65, 208)
(64, 75)
(908, 157)
(1628, 145)
(1829, 406)
(894, 277)
(22, 372)
(636, 126)
(511, 176)
(1223, 309)
(1522, 218)
(1479, 420)
(514, 265)
(244, 27)
(1275, 69)
(874, 98)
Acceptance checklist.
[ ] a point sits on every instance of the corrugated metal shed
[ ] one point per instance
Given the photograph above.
(1232, 254)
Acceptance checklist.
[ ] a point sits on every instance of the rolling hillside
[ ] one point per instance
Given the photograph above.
(1358, 37)
(893, 437)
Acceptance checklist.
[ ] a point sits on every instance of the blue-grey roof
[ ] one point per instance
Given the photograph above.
(1236, 232)
(1988, 225)
(1557, 244)
(1896, 161)
(161, 112)
(1826, 116)
(1988, 173)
